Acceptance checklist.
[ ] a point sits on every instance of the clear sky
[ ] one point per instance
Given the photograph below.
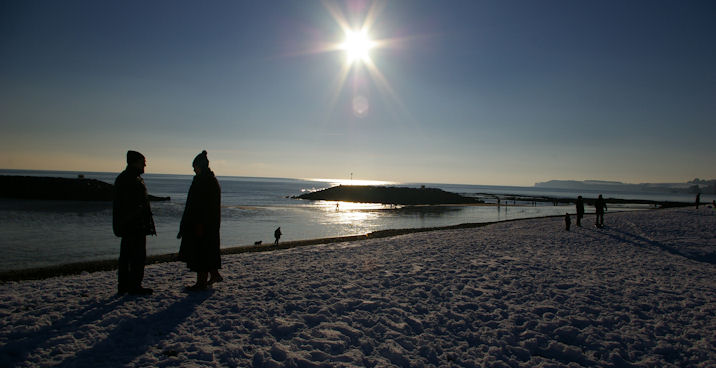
(470, 92)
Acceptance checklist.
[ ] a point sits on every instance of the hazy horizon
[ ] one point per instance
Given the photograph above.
(469, 92)
(358, 181)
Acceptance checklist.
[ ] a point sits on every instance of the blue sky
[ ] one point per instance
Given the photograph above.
(472, 92)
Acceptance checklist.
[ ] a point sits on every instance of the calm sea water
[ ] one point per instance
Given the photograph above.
(36, 233)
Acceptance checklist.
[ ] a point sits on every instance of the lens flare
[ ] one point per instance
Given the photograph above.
(360, 106)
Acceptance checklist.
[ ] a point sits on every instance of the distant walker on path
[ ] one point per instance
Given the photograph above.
(132, 221)
(277, 234)
(600, 205)
(698, 200)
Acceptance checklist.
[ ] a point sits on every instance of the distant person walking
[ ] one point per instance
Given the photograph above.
(277, 234)
(132, 221)
(600, 205)
(580, 210)
(698, 200)
(199, 228)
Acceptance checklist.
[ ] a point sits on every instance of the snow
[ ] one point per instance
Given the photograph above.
(639, 293)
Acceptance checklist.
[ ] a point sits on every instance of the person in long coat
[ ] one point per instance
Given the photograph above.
(199, 228)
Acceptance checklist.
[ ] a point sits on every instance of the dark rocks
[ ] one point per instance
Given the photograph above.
(41, 187)
(388, 195)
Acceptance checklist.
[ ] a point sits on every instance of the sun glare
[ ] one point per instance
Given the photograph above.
(357, 44)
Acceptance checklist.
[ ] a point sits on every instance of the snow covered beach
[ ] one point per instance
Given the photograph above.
(640, 292)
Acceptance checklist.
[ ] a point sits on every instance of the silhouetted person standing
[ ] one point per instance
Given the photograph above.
(132, 221)
(580, 210)
(199, 228)
(277, 234)
(600, 205)
(698, 200)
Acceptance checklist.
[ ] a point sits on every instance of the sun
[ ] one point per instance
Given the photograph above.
(357, 45)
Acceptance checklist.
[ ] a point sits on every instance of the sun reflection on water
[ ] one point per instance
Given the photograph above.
(357, 214)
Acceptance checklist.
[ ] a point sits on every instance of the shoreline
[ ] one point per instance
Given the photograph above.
(77, 268)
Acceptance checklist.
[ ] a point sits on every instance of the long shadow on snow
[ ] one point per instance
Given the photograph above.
(643, 241)
(21, 344)
(132, 338)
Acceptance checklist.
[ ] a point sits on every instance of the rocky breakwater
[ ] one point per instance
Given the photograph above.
(41, 187)
(388, 195)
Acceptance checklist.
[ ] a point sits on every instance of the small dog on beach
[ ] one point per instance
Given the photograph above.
(258, 242)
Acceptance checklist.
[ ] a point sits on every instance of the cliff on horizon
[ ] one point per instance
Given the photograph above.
(692, 187)
(388, 195)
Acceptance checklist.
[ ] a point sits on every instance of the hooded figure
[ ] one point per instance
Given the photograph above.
(199, 228)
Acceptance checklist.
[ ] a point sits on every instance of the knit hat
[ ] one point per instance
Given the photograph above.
(134, 156)
(201, 160)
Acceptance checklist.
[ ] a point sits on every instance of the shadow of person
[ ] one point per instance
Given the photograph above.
(133, 337)
(644, 242)
(639, 239)
(21, 344)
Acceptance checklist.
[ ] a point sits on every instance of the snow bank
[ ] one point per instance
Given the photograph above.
(639, 293)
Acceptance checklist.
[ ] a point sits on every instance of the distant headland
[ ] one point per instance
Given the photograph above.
(388, 195)
(694, 186)
(42, 187)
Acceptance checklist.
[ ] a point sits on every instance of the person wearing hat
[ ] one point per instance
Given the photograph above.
(132, 221)
(199, 228)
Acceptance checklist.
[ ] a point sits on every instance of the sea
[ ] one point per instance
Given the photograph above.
(38, 233)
